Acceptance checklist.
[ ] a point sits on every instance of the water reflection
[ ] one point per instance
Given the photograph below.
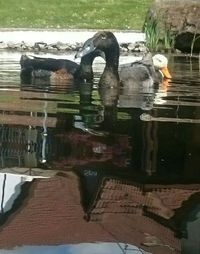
(85, 165)
(23, 146)
(90, 248)
(49, 202)
(12, 181)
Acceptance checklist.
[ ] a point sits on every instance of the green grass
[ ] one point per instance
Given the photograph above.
(87, 14)
(157, 40)
(152, 34)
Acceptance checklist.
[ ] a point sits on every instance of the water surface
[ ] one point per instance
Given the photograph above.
(83, 165)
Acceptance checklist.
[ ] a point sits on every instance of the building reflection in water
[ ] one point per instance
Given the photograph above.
(23, 146)
(149, 216)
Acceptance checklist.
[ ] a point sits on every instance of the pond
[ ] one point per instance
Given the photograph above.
(81, 165)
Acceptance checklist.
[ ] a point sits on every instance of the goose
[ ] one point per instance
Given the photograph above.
(106, 42)
(147, 72)
(33, 67)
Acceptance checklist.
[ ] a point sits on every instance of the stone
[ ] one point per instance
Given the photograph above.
(40, 45)
(62, 46)
(13, 45)
(180, 19)
(3, 45)
(131, 47)
(51, 48)
(123, 49)
(28, 45)
(140, 47)
(72, 47)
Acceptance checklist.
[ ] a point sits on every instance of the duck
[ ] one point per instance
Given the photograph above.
(147, 72)
(64, 70)
(160, 63)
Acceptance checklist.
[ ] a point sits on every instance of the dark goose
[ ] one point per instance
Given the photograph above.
(146, 72)
(57, 69)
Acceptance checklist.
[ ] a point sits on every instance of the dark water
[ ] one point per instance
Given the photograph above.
(81, 165)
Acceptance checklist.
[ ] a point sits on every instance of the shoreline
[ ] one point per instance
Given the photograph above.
(59, 40)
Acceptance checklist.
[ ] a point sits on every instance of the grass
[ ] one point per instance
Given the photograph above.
(77, 14)
(157, 40)
(152, 34)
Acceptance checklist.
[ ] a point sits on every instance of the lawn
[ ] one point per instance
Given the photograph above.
(69, 14)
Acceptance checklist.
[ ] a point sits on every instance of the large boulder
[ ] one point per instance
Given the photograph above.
(178, 19)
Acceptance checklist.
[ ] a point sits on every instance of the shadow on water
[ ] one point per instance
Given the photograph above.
(89, 164)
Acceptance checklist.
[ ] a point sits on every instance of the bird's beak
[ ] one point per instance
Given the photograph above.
(87, 48)
(166, 73)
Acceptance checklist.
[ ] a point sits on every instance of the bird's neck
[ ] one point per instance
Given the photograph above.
(112, 59)
(85, 69)
(86, 62)
(88, 59)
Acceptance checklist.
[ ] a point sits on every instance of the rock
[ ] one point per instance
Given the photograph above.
(62, 46)
(52, 48)
(23, 46)
(136, 47)
(40, 45)
(177, 22)
(27, 45)
(12, 45)
(123, 49)
(184, 42)
(131, 47)
(140, 47)
(3, 45)
(72, 47)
